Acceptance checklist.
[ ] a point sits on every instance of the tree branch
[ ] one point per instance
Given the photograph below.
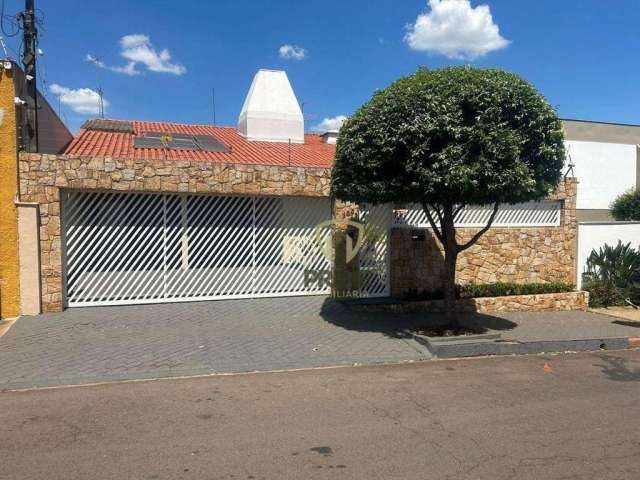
(439, 215)
(432, 222)
(458, 210)
(475, 238)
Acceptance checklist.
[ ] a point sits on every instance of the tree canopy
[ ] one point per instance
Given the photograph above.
(446, 139)
(458, 135)
(626, 207)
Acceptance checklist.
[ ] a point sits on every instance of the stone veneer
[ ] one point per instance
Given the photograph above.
(521, 255)
(42, 177)
(516, 303)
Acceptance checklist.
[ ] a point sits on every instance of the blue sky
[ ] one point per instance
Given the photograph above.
(582, 54)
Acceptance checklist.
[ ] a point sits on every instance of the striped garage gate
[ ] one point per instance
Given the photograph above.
(132, 248)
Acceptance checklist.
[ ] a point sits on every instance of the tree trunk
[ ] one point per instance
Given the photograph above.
(449, 272)
(449, 283)
(446, 234)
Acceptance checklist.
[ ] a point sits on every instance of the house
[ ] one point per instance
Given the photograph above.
(143, 212)
(606, 159)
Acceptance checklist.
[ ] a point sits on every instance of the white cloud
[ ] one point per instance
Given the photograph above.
(331, 123)
(82, 100)
(292, 52)
(455, 29)
(128, 69)
(138, 49)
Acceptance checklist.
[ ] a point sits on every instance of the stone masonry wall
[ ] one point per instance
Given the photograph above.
(42, 177)
(547, 302)
(520, 255)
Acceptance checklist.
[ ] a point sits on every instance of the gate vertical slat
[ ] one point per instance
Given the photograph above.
(164, 246)
(253, 245)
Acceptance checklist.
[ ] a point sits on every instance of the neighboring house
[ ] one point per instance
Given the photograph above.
(146, 212)
(607, 163)
(52, 137)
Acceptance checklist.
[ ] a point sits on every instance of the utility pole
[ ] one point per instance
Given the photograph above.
(29, 54)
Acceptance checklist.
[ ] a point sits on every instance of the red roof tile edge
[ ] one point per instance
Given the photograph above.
(313, 153)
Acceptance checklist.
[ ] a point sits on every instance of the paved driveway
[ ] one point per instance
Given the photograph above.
(86, 345)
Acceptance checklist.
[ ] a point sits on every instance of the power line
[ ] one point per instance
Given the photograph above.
(14, 22)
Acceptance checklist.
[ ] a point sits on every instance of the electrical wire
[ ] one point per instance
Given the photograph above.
(14, 22)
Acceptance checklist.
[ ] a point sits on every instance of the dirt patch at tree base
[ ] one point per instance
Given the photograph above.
(445, 331)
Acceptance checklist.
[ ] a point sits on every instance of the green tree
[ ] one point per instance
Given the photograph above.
(449, 138)
(627, 206)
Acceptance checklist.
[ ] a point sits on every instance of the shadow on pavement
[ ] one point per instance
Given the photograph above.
(399, 325)
(627, 323)
(617, 369)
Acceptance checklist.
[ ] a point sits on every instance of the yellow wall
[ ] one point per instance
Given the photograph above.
(9, 261)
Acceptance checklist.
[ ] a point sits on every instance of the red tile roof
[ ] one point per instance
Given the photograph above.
(313, 153)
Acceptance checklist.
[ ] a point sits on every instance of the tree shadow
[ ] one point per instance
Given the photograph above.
(401, 325)
(627, 323)
(617, 369)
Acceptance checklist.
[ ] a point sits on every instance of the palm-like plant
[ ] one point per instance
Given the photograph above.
(612, 265)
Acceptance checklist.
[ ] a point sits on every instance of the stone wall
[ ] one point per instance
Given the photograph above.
(521, 255)
(518, 254)
(516, 303)
(42, 177)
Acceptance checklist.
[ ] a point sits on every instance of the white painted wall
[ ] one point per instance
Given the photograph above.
(604, 170)
(594, 235)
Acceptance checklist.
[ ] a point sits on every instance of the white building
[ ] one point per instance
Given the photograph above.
(607, 163)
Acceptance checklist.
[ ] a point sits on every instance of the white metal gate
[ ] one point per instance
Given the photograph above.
(126, 248)
(374, 257)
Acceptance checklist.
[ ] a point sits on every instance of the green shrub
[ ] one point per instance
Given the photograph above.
(604, 294)
(607, 276)
(627, 206)
(499, 289)
(507, 289)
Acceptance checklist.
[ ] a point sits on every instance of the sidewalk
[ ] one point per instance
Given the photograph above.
(89, 345)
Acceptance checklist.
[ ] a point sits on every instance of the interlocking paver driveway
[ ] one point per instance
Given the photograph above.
(86, 345)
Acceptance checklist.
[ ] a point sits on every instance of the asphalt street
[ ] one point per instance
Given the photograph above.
(571, 416)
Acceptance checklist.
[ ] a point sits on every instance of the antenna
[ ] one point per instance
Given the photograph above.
(570, 167)
(213, 103)
(97, 61)
(100, 101)
(4, 47)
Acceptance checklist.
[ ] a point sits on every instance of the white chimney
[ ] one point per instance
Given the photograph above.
(330, 136)
(271, 112)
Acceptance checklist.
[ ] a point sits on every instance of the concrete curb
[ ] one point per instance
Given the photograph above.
(473, 348)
